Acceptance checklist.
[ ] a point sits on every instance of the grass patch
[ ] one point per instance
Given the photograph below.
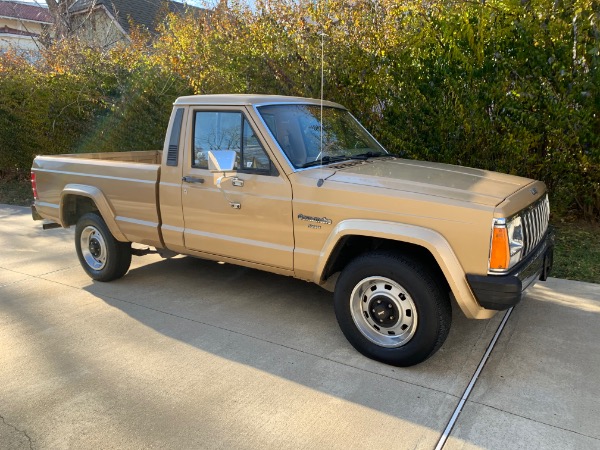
(577, 252)
(14, 191)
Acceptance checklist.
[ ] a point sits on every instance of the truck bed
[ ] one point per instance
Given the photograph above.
(127, 180)
(142, 157)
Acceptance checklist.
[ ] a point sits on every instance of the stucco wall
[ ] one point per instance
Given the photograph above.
(98, 28)
(17, 41)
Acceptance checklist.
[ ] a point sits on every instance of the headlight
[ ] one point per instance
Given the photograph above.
(507, 244)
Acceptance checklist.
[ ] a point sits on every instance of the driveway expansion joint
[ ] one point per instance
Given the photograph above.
(465, 397)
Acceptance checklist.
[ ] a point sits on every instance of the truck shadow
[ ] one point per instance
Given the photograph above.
(284, 312)
(239, 330)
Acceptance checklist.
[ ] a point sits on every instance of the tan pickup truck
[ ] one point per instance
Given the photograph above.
(298, 187)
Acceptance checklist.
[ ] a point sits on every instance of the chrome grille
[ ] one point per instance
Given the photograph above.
(535, 223)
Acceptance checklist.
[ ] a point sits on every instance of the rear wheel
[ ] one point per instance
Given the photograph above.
(100, 254)
(391, 309)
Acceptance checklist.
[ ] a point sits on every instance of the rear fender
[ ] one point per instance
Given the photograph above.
(96, 195)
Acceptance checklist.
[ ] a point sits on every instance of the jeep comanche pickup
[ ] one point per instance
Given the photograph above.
(299, 188)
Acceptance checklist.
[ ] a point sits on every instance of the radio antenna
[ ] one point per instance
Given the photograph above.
(321, 181)
(322, 83)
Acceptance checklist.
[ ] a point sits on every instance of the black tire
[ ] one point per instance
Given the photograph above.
(391, 308)
(100, 254)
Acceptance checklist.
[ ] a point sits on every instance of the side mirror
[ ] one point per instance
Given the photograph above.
(221, 160)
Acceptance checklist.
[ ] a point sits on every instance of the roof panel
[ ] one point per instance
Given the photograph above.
(22, 11)
(141, 12)
(248, 99)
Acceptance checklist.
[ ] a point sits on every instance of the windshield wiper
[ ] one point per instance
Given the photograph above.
(326, 160)
(368, 155)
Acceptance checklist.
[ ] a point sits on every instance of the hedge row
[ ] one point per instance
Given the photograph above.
(504, 85)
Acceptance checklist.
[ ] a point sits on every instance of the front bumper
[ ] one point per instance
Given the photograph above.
(500, 292)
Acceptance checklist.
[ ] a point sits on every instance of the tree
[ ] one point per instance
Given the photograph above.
(62, 19)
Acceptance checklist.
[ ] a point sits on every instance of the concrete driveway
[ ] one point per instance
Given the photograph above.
(185, 353)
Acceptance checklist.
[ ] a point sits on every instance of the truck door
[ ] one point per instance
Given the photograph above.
(250, 217)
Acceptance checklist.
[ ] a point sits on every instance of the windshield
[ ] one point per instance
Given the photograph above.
(298, 132)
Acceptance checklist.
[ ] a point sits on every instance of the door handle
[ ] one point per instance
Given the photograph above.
(235, 205)
(189, 179)
(238, 182)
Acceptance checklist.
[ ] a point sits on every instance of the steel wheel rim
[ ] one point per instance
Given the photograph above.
(383, 311)
(93, 248)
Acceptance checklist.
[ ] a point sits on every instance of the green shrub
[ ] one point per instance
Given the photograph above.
(500, 85)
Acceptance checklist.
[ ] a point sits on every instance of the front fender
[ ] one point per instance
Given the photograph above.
(431, 240)
(99, 199)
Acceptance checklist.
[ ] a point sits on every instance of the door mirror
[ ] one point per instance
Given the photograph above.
(221, 160)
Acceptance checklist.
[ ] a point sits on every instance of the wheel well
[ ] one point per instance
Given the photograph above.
(75, 206)
(349, 247)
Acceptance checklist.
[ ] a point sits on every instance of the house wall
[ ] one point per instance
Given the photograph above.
(17, 41)
(98, 29)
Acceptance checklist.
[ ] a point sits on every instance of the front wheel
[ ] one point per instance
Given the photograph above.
(391, 309)
(100, 254)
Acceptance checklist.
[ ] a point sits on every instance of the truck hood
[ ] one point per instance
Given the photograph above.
(435, 179)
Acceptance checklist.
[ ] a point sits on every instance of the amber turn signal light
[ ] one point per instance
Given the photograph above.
(499, 255)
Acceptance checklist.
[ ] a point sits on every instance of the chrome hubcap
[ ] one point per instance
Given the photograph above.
(383, 312)
(93, 248)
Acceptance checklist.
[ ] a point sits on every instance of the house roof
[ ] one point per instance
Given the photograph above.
(141, 12)
(25, 12)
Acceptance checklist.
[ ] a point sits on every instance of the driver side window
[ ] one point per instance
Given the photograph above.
(227, 130)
